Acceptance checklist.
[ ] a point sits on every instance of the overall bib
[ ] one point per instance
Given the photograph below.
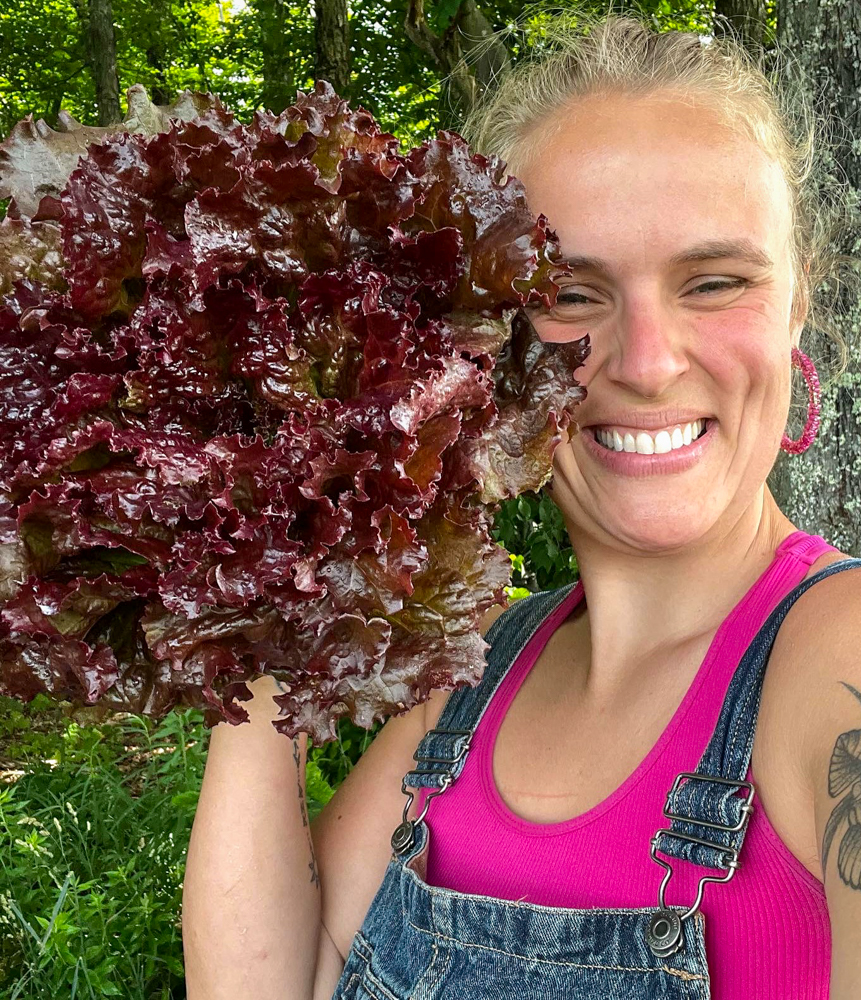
(424, 942)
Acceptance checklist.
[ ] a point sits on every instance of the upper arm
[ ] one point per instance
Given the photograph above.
(833, 756)
(352, 833)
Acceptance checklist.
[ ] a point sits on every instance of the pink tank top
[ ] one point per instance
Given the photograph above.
(767, 931)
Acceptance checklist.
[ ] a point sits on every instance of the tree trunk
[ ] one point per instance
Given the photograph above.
(103, 60)
(820, 490)
(452, 55)
(332, 41)
(155, 60)
(279, 85)
(747, 19)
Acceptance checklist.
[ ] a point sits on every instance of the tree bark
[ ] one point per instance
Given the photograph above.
(820, 490)
(155, 60)
(332, 41)
(461, 53)
(747, 19)
(103, 61)
(279, 84)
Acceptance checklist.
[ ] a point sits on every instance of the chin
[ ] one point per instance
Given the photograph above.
(656, 533)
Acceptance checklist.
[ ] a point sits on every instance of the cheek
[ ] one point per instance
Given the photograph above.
(750, 341)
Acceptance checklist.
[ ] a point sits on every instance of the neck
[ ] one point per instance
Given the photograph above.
(646, 605)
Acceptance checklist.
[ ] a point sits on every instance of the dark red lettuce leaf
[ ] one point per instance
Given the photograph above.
(262, 388)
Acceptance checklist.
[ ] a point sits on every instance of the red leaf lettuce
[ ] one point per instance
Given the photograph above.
(261, 389)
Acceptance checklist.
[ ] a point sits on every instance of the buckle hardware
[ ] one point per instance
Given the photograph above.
(442, 760)
(404, 836)
(746, 808)
(728, 854)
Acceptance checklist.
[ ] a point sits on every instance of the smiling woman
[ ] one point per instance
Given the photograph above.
(628, 719)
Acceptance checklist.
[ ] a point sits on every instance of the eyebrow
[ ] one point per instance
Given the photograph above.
(742, 249)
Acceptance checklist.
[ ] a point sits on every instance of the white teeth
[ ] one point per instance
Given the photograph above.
(646, 444)
(663, 443)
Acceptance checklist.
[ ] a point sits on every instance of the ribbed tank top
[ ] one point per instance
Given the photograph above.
(767, 931)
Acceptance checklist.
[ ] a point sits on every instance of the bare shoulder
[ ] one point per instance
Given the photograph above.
(816, 652)
(825, 655)
(828, 614)
(818, 626)
(437, 698)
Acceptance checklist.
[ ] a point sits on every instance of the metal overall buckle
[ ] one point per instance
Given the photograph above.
(664, 933)
(404, 836)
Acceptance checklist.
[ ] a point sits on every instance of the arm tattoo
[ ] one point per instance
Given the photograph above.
(844, 776)
(312, 864)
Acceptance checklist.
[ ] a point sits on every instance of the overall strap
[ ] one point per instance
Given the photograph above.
(709, 819)
(441, 753)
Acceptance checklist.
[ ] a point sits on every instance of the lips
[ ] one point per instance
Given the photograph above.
(636, 465)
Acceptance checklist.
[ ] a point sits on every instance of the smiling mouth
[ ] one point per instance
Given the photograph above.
(644, 443)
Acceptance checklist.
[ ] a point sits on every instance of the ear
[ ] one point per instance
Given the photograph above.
(800, 308)
(796, 327)
(796, 334)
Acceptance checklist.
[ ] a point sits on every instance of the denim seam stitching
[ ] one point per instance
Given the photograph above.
(370, 980)
(700, 940)
(349, 986)
(424, 980)
(755, 690)
(448, 893)
(686, 976)
(530, 958)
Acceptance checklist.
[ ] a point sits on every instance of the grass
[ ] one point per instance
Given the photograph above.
(94, 829)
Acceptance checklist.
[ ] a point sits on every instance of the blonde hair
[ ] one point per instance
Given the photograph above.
(585, 54)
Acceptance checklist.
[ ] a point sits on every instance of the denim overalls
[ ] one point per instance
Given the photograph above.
(422, 943)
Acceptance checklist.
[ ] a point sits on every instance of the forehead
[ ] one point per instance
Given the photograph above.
(631, 178)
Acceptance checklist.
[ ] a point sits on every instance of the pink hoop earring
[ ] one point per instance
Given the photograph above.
(811, 377)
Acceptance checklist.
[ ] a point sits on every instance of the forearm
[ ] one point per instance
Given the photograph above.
(251, 897)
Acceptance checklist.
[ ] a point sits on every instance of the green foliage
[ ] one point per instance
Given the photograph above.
(329, 764)
(92, 853)
(532, 529)
(256, 54)
(94, 829)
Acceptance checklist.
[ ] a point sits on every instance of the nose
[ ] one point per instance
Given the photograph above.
(646, 346)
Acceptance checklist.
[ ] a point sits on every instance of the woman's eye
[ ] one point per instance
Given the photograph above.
(572, 298)
(720, 286)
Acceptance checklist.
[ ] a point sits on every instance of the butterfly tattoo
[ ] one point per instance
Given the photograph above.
(844, 776)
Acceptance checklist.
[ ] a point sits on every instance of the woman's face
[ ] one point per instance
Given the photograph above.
(684, 284)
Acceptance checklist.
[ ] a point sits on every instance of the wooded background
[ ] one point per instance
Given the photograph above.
(96, 818)
(418, 66)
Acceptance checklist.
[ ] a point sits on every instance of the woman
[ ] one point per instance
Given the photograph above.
(676, 189)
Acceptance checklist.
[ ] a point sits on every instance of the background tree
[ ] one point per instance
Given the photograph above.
(458, 30)
(332, 37)
(821, 490)
(750, 20)
(103, 60)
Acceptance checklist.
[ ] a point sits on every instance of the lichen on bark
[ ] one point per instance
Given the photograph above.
(820, 490)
